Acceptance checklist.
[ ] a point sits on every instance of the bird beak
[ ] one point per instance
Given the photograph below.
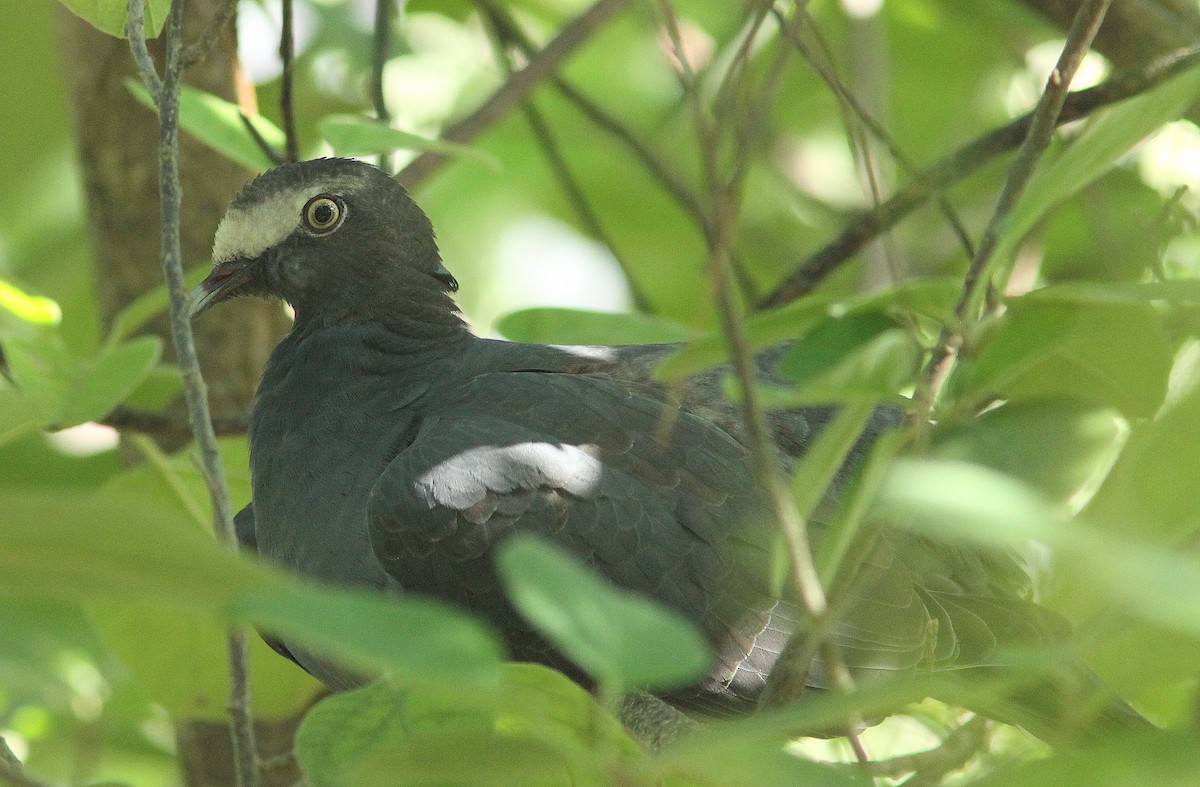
(225, 281)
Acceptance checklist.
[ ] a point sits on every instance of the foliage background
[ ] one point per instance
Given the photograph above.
(113, 609)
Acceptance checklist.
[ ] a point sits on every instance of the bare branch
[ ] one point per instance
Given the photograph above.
(385, 11)
(540, 67)
(962, 163)
(200, 49)
(1037, 140)
(287, 51)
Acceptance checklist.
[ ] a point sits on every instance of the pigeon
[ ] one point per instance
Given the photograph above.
(392, 449)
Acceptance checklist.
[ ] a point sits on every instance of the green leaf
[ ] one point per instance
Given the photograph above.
(32, 309)
(746, 751)
(534, 727)
(354, 135)
(621, 639)
(1110, 354)
(148, 305)
(61, 547)
(108, 379)
(932, 298)
(1057, 446)
(1108, 136)
(218, 124)
(109, 15)
(70, 390)
(182, 661)
(1164, 759)
(577, 326)
(420, 639)
(857, 358)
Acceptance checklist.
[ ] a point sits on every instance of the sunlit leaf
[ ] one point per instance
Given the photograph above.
(966, 502)
(32, 309)
(576, 326)
(352, 135)
(1055, 445)
(109, 15)
(218, 124)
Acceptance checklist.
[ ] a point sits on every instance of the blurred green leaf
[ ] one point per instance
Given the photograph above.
(148, 305)
(109, 378)
(964, 502)
(576, 326)
(1109, 354)
(218, 124)
(1158, 758)
(842, 364)
(92, 548)
(1056, 446)
(621, 639)
(109, 15)
(1108, 136)
(421, 640)
(182, 661)
(535, 727)
(354, 135)
(70, 390)
(32, 309)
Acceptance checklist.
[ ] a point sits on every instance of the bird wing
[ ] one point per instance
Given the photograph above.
(659, 501)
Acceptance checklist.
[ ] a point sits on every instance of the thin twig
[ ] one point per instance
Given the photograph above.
(795, 35)
(135, 31)
(982, 268)
(928, 767)
(562, 171)
(542, 66)
(13, 772)
(384, 13)
(185, 349)
(727, 197)
(274, 155)
(962, 163)
(287, 52)
(202, 47)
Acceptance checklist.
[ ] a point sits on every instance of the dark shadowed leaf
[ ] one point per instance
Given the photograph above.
(621, 639)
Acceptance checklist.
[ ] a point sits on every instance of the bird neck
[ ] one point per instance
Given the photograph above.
(401, 321)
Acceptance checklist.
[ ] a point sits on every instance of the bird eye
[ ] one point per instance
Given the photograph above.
(324, 214)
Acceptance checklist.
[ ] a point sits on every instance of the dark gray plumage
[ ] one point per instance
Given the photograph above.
(391, 448)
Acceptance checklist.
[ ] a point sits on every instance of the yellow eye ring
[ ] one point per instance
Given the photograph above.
(324, 214)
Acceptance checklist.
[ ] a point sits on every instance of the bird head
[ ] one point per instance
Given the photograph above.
(329, 235)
